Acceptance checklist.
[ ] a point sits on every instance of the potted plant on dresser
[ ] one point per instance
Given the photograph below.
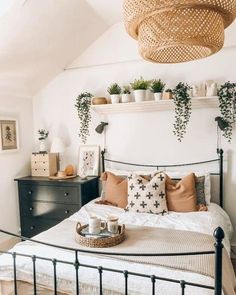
(140, 87)
(157, 87)
(43, 135)
(114, 90)
(126, 94)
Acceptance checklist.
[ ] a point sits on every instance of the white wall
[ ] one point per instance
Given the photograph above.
(144, 137)
(14, 163)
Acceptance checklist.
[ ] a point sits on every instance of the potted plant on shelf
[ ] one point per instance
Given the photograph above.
(83, 103)
(140, 87)
(126, 94)
(227, 105)
(114, 90)
(167, 94)
(43, 135)
(157, 87)
(183, 107)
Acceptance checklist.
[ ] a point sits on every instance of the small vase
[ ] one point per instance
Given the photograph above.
(115, 98)
(126, 97)
(167, 95)
(140, 95)
(158, 96)
(42, 146)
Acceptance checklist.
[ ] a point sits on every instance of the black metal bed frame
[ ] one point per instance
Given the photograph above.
(218, 235)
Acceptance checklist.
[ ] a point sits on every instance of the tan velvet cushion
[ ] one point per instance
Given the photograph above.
(116, 189)
(181, 196)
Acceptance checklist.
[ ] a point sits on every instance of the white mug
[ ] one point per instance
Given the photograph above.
(112, 224)
(96, 225)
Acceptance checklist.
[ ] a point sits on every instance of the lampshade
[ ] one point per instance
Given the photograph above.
(177, 31)
(57, 145)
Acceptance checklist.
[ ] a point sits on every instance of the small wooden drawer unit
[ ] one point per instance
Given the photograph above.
(43, 164)
(44, 202)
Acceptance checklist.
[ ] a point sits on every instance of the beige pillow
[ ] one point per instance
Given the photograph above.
(147, 194)
(181, 196)
(115, 190)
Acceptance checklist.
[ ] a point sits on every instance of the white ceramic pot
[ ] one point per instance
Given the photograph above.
(115, 98)
(126, 97)
(158, 96)
(140, 95)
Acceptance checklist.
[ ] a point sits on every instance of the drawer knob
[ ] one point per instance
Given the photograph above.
(66, 194)
(30, 192)
(32, 227)
(31, 208)
(67, 211)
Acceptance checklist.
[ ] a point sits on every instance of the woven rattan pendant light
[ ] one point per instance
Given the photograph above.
(178, 31)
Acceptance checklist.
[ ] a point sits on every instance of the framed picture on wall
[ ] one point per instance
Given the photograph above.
(9, 140)
(88, 164)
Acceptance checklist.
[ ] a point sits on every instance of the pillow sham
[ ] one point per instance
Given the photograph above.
(181, 196)
(115, 189)
(207, 181)
(147, 195)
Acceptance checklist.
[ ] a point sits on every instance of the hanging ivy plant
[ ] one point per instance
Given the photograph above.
(227, 105)
(183, 108)
(83, 103)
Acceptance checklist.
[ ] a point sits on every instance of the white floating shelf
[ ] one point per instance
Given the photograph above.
(153, 106)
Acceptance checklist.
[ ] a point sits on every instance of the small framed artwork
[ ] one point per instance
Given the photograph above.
(88, 160)
(9, 135)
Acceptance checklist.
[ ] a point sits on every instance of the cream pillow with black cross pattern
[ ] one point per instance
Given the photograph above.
(147, 194)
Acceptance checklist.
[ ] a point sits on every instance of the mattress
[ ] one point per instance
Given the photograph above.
(113, 283)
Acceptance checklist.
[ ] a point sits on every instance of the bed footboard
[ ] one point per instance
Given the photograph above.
(218, 235)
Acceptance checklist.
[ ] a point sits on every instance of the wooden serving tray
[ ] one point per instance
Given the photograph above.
(99, 241)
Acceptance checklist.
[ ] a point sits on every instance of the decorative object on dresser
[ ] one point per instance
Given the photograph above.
(115, 91)
(44, 203)
(88, 160)
(140, 87)
(43, 135)
(83, 103)
(9, 134)
(43, 164)
(157, 87)
(58, 147)
(178, 31)
(211, 88)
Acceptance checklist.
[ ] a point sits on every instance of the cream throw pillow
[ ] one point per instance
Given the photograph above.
(147, 195)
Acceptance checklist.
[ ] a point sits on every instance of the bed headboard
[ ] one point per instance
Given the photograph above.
(219, 159)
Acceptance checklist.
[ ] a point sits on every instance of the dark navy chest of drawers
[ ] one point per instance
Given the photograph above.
(44, 202)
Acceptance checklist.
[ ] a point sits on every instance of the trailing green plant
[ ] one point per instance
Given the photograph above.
(43, 134)
(183, 107)
(126, 90)
(140, 84)
(227, 105)
(114, 89)
(157, 86)
(83, 103)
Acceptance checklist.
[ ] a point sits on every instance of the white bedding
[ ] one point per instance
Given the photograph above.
(204, 222)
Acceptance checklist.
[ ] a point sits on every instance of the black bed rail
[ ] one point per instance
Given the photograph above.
(218, 235)
(219, 159)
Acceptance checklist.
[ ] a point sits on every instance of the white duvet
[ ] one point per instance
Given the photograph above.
(113, 283)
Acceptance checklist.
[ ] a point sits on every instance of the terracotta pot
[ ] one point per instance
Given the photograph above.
(99, 100)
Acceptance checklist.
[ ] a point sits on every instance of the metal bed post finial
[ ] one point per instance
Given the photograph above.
(220, 153)
(103, 160)
(219, 236)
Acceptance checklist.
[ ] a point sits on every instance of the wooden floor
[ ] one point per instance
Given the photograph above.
(234, 265)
